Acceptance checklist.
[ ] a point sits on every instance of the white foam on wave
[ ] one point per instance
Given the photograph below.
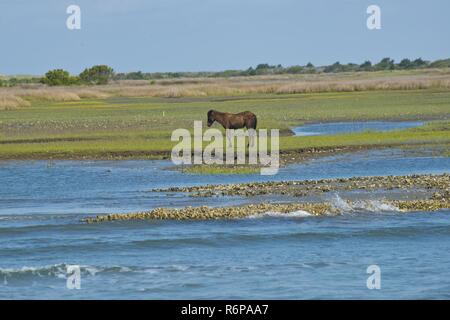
(374, 206)
(275, 214)
(60, 271)
(56, 270)
(342, 206)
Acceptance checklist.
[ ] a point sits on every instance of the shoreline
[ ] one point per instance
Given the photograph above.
(287, 156)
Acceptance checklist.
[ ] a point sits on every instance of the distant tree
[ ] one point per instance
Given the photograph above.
(138, 75)
(350, 67)
(309, 65)
(174, 75)
(385, 64)
(100, 74)
(419, 63)
(228, 73)
(366, 66)
(59, 77)
(263, 66)
(445, 63)
(294, 69)
(405, 64)
(250, 72)
(335, 67)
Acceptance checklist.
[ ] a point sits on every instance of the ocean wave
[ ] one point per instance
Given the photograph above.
(347, 233)
(36, 217)
(60, 271)
(274, 214)
(341, 206)
(170, 242)
(57, 270)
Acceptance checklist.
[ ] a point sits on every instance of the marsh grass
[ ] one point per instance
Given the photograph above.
(11, 102)
(111, 126)
(370, 138)
(235, 86)
(136, 147)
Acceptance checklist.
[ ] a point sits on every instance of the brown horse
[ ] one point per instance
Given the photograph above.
(240, 120)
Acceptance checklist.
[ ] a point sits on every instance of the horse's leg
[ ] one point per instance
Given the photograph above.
(229, 137)
(251, 134)
(251, 137)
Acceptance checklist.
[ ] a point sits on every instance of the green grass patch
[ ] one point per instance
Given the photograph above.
(141, 127)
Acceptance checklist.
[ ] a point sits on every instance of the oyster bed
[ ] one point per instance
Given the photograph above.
(438, 185)
(434, 188)
(233, 212)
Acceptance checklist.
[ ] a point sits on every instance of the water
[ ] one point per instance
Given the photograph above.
(274, 256)
(319, 129)
(292, 258)
(93, 187)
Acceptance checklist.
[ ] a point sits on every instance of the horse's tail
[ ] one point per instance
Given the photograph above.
(255, 122)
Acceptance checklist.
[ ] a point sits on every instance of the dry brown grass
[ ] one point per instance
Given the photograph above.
(20, 96)
(51, 95)
(280, 84)
(91, 94)
(364, 85)
(41, 93)
(198, 87)
(10, 102)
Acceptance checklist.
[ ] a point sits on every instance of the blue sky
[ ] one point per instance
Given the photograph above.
(196, 35)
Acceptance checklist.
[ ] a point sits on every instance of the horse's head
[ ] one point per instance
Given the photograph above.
(211, 118)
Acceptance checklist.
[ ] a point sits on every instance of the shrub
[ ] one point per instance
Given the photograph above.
(294, 69)
(100, 74)
(366, 66)
(418, 63)
(441, 64)
(405, 64)
(385, 64)
(59, 77)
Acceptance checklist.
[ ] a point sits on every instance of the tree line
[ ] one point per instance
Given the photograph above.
(96, 75)
(267, 69)
(102, 74)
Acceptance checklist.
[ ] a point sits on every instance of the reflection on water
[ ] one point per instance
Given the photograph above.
(319, 129)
